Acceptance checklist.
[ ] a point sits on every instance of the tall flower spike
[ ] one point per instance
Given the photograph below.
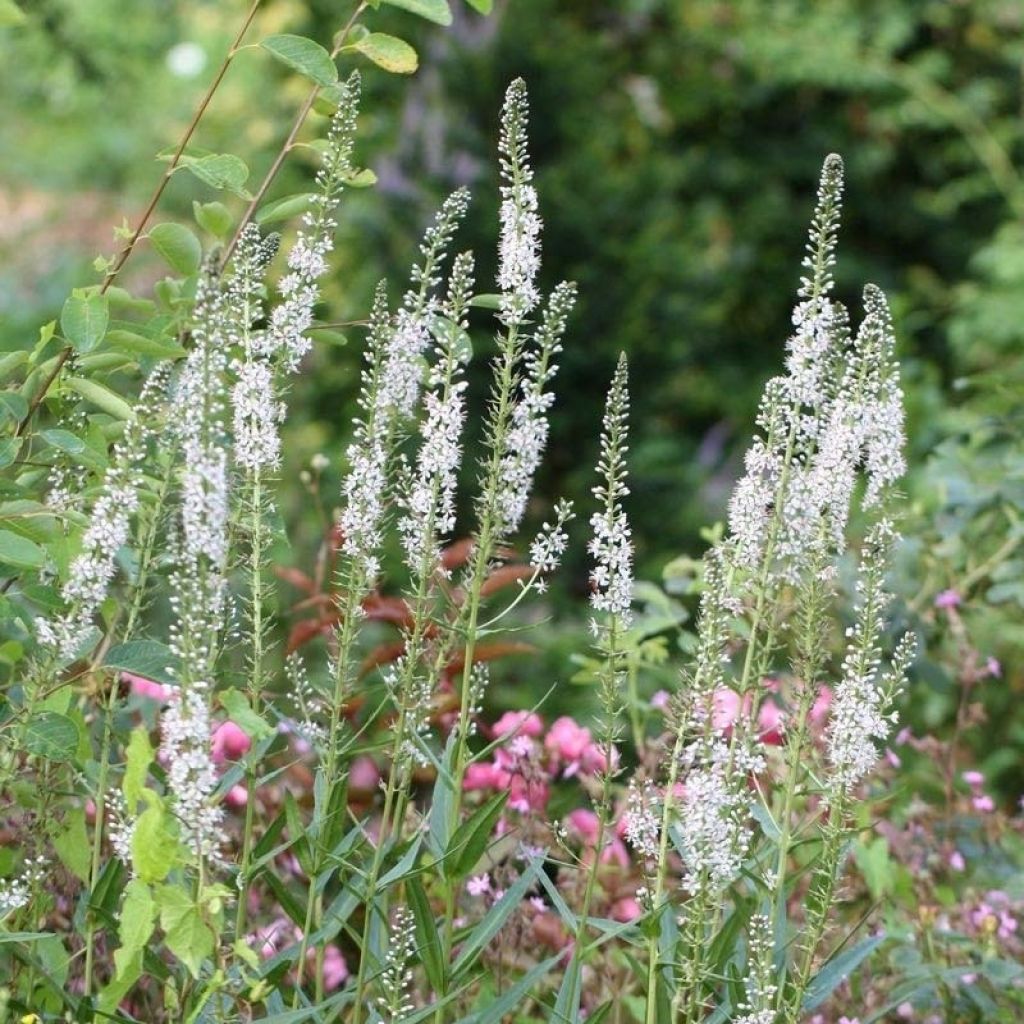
(286, 335)
(429, 502)
(611, 545)
(527, 435)
(519, 246)
(94, 567)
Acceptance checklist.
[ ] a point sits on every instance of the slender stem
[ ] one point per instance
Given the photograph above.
(289, 142)
(158, 192)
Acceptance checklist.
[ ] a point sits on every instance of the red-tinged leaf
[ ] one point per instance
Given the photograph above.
(491, 652)
(457, 554)
(303, 632)
(384, 654)
(298, 579)
(504, 576)
(387, 609)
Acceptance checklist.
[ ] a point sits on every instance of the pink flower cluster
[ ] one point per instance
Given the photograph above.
(771, 719)
(524, 764)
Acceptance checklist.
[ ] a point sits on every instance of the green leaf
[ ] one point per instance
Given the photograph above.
(213, 217)
(483, 6)
(282, 209)
(487, 928)
(9, 448)
(237, 706)
(436, 11)
(10, 14)
(72, 845)
(10, 361)
(428, 941)
(63, 440)
(487, 300)
(829, 978)
(154, 846)
(220, 171)
(83, 320)
(146, 658)
(388, 52)
(179, 248)
(20, 551)
(137, 920)
(139, 756)
(103, 398)
(303, 55)
(186, 934)
(51, 735)
(139, 345)
(13, 404)
(471, 838)
(494, 1012)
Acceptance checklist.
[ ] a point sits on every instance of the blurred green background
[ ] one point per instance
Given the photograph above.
(677, 146)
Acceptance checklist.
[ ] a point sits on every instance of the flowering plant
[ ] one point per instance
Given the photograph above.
(226, 830)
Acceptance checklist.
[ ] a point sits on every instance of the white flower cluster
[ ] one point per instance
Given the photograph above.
(643, 819)
(397, 976)
(552, 539)
(257, 415)
(760, 985)
(93, 569)
(860, 712)
(519, 246)
(836, 414)
(429, 501)
(714, 820)
(611, 545)
(390, 389)
(16, 892)
(185, 739)
(527, 435)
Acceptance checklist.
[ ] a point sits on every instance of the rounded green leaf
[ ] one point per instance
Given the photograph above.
(146, 658)
(436, 11)
(220, 171)
(282, 209)
(177, 245)
(20, 551)
(100, 396)
(213, 217)
(388, 52)
(52, 736)
(304, 55)
(83, 320)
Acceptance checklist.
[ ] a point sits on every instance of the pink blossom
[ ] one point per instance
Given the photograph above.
(237, 796)
(892, 757)
(956, 861)
(229, 742)
(479, 885)
(626, 909)
(335, 968)
(993, 668)
(485, 775)
(567, 740)
(905, 1010)
(821, 705)
(849, 1020)
(363, 775)
(660, 700)
(585, 824)
(947, 599)
(983, 803)
(522, 723)
(973, 778)
(903, 736)
(143, 687)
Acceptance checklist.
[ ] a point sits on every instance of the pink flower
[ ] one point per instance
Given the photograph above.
(229, 742)
(993, 668)
(956, 861)
(905, 1010)
(947, 599)
(626, 909)
(660, 700)
(983, 803)
(521, 723)
(335, 969)
(849, 1020)
(567, 740)
(725, 709)
(147, 687)
(479, 885)
(973, 778)
(821, 705)
(237, 796)
(585, 824)
(485, 775)
(892, 757)
(364, 774)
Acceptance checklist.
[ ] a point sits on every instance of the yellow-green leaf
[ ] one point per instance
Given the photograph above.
(389, 52)
(177, 245)
(103, 398)
(436, 11)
